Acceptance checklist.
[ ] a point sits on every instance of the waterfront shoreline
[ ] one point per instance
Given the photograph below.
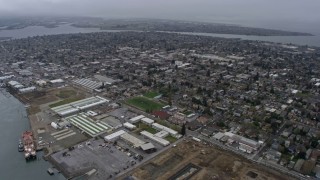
(14, 122)
(32, 31)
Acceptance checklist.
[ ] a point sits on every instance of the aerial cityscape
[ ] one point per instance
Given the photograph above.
(87, 97)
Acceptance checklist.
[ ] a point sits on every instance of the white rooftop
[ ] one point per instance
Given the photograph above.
(114, 135)
(147, 120)
(133, 140)
(155, 138)
(161, 127)
(136, 119)
(79, 105)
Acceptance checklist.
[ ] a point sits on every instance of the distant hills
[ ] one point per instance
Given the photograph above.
(142, 25)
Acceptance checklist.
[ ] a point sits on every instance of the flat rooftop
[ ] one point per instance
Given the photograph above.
(86, 124)
(77, 106)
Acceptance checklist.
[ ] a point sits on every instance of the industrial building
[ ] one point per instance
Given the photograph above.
(86, 124)
(136, 119)
(132, 140)
(56, 81)
(148, 148)
(155, 138)
(41, 83)
(162, 134)
(114, 136)
(245, 144)
(15, 85)
(147, 121)
(88, 84)
(159, 127)
(129, 126)
(28, 89)
(78, 106)
(104, 79)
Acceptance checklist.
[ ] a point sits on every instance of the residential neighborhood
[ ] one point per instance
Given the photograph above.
(143, 92)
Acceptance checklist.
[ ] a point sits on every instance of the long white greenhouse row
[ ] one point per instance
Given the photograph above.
(87, 125)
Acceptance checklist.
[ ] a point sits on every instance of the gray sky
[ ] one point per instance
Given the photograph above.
(284, 14)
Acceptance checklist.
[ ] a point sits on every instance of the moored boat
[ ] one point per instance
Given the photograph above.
(20, 146)
(29, 146)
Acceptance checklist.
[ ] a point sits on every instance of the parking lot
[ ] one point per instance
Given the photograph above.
(108, 159)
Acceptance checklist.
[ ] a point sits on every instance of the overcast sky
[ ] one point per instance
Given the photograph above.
(284, 14)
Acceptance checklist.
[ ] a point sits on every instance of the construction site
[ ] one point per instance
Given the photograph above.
(198, 160)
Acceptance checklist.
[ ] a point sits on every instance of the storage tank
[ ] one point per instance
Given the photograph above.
(55, 125)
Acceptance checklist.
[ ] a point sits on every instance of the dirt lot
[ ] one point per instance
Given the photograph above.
(213, 163)
(35, 99)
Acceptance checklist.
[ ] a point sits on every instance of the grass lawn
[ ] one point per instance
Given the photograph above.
(144, 127)
(144, 103)
(65, 101)
(66, 93)
(151, 94)
(171, 139)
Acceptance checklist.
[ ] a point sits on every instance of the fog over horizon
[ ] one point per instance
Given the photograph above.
(294, 15)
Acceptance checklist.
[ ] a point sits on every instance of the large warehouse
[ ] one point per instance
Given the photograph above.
(87, 125)
(77, 106)
(132, 140)
(88, 84)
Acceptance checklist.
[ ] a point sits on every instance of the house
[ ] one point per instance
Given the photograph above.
(218, 136)
(297, 167)
(308, 166)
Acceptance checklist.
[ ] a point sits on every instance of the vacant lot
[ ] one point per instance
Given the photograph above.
(65, 101)
(43, 97)
(66, 93)
(144, 104)
(213, 164)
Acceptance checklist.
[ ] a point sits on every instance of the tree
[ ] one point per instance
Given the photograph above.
(272, 90)
(301, 155)
(183, 129)
(220, 124)
(314, 143)
(208, 73)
